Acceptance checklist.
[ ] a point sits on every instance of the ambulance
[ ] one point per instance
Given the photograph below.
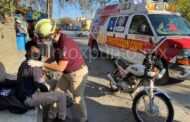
(124, 30)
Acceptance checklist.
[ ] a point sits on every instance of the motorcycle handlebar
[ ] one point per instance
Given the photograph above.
(157, 75)
(161, 73)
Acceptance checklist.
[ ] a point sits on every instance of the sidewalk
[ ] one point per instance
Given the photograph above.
(30, 116)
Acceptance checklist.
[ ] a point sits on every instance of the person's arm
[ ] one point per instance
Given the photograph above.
(38, 75)
(50, 60)
(60, 66)
(39, 79)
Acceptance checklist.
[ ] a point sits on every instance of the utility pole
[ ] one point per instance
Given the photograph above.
(49, 8)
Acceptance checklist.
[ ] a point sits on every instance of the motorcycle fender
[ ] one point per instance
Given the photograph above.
(156, 91)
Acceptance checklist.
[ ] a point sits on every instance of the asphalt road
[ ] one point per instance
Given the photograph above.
(105, 106)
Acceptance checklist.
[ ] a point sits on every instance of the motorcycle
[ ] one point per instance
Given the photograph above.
(150, 102)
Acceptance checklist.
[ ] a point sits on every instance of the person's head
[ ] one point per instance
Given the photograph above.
(32, 50)
(47, 28)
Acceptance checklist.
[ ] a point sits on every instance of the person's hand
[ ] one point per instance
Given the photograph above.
(46, 74)
(34, 63)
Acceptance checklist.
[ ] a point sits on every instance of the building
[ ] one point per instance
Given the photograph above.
(82, 20)
(87, 22)
(8, 51)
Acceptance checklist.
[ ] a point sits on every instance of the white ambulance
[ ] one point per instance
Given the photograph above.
(122, 30)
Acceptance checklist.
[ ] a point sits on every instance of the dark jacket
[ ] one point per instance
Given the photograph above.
(29, 80)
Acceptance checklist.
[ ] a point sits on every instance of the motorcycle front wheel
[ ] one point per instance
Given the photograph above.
(161, 110)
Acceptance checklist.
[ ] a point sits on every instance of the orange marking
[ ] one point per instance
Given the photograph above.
(132, 45)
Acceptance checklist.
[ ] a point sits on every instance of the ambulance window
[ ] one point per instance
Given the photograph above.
(121, 22)
(139, 25)
(111, 24)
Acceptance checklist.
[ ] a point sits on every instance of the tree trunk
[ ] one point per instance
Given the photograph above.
(50, 4)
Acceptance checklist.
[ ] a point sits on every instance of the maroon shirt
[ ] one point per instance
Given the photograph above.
(68, 50)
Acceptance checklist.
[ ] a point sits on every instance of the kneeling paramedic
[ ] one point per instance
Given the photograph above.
(31, 80)
(69, 61)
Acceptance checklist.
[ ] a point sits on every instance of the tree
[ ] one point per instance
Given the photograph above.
(67, 20)
(183, 6)
(84, 26)
(6, 6)
(88, 7)
(36, 15)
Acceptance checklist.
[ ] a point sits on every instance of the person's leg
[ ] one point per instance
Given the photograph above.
(58, 108)
(47, 98)
(78, 93)
(78, 81)
(62, 84)
(52, 84)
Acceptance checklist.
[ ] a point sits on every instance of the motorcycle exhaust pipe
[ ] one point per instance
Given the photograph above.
(111, 79)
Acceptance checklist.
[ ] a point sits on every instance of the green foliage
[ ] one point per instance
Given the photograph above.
(84, 26)
(183, 6)
(23, 8)
(36, 15)
(6, 6)
(67, 20)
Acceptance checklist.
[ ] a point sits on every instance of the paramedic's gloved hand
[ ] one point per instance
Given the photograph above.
(34, 63)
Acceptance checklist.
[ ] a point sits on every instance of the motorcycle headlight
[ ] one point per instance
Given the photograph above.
(183, 57)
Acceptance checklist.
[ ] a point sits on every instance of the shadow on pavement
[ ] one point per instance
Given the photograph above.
(181, 98)
(98, 112)
(2, 72)
(4, 75)
(100, 67)
(96, 90)
(173, 81)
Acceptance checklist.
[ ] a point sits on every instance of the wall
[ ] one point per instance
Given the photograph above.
(88, 22)
(8, 52)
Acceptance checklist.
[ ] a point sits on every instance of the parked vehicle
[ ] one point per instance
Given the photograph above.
(150, 104)
(81, 33)
(77, 28)
(122, 30)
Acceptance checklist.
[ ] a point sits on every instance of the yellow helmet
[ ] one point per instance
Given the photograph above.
(44, 27)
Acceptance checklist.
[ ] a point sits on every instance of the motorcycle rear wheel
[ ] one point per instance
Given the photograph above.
(165, 100)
